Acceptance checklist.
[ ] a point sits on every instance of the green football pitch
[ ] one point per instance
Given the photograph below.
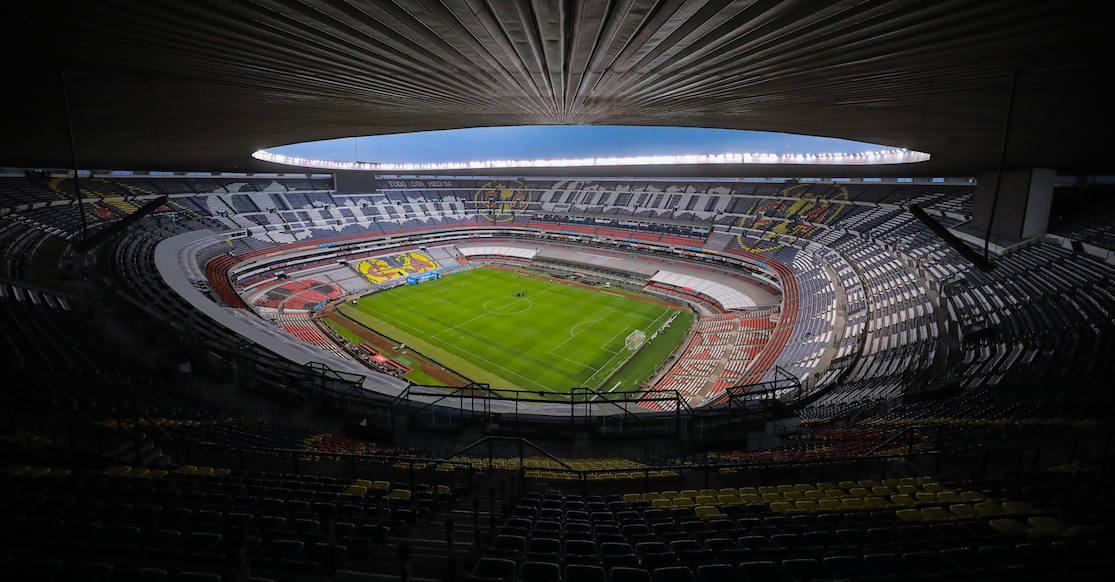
(555, 337)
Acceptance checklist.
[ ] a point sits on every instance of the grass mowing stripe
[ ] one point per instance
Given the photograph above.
(557, 337)
(462, 366)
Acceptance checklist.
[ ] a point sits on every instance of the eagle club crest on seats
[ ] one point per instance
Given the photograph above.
(501, 201)
(796, 213)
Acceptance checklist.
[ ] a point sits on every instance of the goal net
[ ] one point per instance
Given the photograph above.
(635, 340)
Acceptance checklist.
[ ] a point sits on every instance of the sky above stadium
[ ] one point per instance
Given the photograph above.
(539, 142)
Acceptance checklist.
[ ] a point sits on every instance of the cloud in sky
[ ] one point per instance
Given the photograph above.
(535, 142)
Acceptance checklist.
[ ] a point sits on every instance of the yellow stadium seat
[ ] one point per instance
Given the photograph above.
(908, 489)
(728, 491)
(683, 502)
(746, 498)
(748, 491)
(785, 488)
(632, 497)
(883, 491)
(362, 483)
(852, 503)
(859, 492)
(1042, 534)
(670, 494)
(807, 506)
(661, 503)
(123, 470)
(1010, 527)
(793, 496)
(814, 494)
(356, 490)
(926, 497)
(1050, 523)
(892, 483)
(1084, 531)
(830, 504)
(690, 493)
(964, 511)
(203, 471)
(767, 489)
(988, 508)
(933, 487)
(803, 487)
(36, 471)
(63, 472)
(221, 471)
(783, 507)
(868, 483)
(903, 500)
(705, 512)
(909, 514)
(727, 499)
(971, 496)
(1017, 508)
(708, 492)
(876, 501)
(847, 484)
(824, 486)
(772, 497)
(706, 500)
(401, 494)
(948, 497)
(651, 496)
(936, 514)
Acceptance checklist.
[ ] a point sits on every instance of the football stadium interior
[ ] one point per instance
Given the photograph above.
(220, 364)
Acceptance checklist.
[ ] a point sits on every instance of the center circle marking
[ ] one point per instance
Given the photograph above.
(501, 309)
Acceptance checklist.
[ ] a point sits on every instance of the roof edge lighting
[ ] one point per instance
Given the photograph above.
(881, 157)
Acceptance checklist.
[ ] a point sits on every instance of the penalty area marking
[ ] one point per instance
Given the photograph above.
(573, 334)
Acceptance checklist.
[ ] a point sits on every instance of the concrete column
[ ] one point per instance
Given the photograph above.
(1022, 213)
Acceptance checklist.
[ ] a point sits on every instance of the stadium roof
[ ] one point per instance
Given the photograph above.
(201, 85)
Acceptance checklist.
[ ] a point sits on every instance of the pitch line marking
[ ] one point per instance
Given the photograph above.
(574, 335)
(437, 291)
(443, 346)
(497, 311)
(606, 364)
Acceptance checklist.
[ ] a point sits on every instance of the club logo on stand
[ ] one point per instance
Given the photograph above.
(501, 201)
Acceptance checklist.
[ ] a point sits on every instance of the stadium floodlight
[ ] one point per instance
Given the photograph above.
(635, 340)
(890, 156)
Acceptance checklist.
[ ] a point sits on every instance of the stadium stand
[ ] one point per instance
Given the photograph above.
(900, 351)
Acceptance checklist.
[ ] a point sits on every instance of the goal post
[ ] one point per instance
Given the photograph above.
(635, 340)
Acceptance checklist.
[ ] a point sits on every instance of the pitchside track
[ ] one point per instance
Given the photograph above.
(517, 331)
